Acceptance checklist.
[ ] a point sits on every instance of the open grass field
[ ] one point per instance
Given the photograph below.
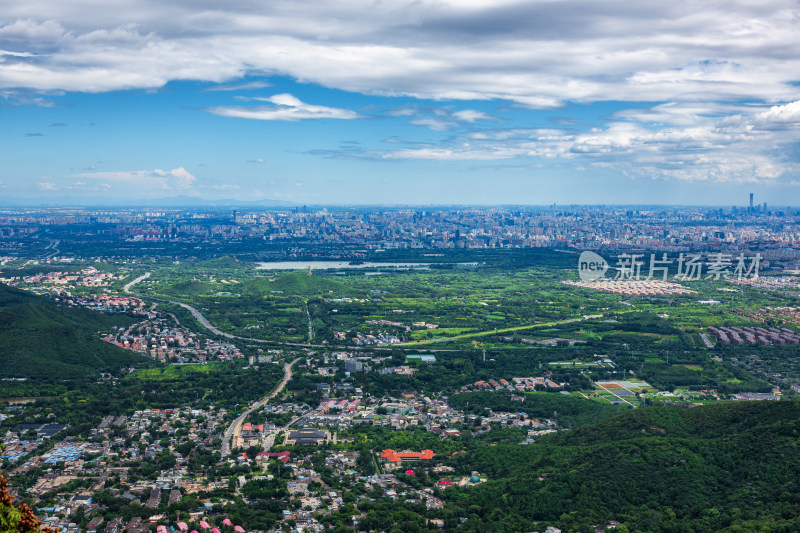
(172, 371)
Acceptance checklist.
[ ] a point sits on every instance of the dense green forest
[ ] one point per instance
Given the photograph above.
(82, 402)
(39, 339)
(725, 467)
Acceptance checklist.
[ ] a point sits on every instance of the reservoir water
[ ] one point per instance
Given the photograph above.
(330, 265)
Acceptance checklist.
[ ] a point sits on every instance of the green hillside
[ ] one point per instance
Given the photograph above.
(39, 339)
(192, 287)
(296, 284)
(224, 262)
(726, 467)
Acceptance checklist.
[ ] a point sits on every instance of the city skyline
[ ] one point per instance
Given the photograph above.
(400, 104)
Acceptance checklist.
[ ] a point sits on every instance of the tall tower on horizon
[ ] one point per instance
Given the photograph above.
(751, 201)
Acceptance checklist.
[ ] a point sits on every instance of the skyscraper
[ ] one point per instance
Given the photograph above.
(751, 201)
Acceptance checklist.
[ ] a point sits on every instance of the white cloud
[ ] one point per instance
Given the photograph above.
(29, 30)
(538, 54)
(694, 143)
(433, 124)
(695, 61)
(182, 178)
(284, 99)
(471, 115)
(402, 112)
(17, 98)
(443, 118)
(13, 54)
(177, 179)
(448, 154)
(789, 113)
(46, 186)
(247, 86)
(286, 108)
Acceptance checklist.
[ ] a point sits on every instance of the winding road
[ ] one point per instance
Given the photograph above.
(193, 310)
(209, 326)
(127, 287)
(235, 429)
(53, 245)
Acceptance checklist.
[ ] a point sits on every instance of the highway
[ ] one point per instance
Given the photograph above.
(127, 288)
(206, 324)
(53, 245)
(193, 310)
(409, 344)
(500, 331)
(235, 429)
(210, 327)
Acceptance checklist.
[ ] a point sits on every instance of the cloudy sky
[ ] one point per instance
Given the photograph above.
(395, 102)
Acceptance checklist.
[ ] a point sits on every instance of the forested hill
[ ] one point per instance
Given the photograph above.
(730, 466)
(39, 339)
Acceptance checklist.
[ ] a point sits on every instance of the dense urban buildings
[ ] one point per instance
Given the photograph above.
(775, 233)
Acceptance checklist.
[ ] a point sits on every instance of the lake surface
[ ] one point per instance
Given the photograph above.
(329, 265)
(21, 401)
(338, 265)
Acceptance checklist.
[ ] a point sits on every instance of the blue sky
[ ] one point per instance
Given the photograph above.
(429, 102)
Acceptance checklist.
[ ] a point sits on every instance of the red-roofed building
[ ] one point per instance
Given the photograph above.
(283, 457)
(394, 457)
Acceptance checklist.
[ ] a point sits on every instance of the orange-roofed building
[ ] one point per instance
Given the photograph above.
(391, 456)
(247, 426)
